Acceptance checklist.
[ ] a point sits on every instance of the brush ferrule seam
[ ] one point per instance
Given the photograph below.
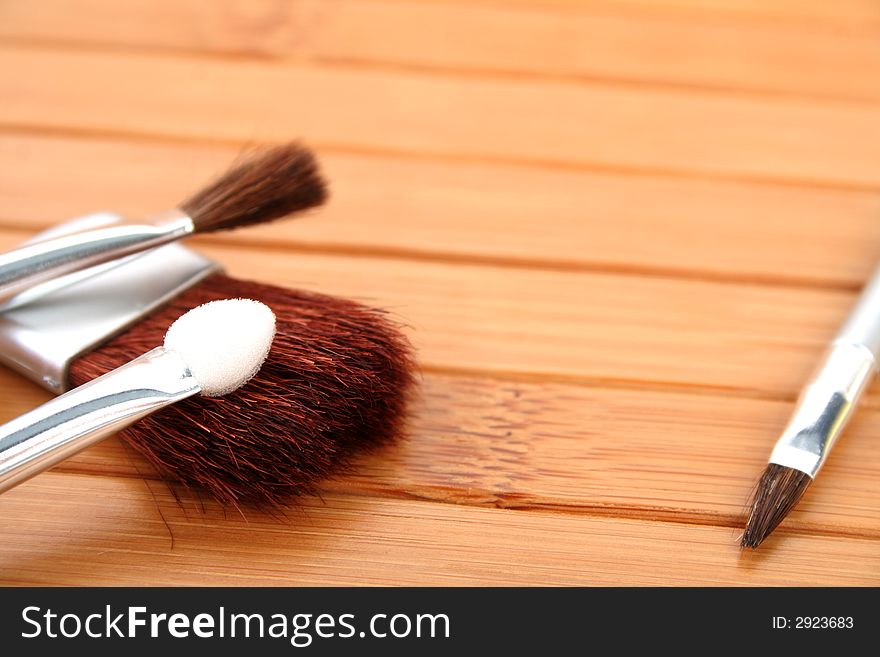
(174, 223)
(825, 407)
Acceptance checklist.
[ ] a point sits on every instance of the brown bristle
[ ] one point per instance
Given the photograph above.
(776, 494)
(266, 186)
(335, 382)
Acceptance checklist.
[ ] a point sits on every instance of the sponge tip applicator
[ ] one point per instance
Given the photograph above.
(224, 343)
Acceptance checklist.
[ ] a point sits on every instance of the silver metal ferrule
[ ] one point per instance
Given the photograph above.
(38, 262)
(46, 328)
(67, 424)
(828, 400)
(825, 407)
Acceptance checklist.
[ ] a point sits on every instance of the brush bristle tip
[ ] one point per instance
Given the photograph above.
(776, 494)
(275, 183)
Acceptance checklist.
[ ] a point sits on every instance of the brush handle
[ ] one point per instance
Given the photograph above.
(832, 394)
(43, 261)
(863, 324)
(67, 424)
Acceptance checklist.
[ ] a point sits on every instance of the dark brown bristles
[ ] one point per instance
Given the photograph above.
(778, 491)
(335, 383)
(266, 186)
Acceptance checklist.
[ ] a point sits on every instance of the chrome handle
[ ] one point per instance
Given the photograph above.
(39, 262)
(67, 424)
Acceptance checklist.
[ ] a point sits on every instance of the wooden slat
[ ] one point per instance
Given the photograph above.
(454, 210)
(623, 453)
(489, 38)
(580, 325)
(849, 13)
(749, 339)
(111, 532)
(528, 121)
(620, 234)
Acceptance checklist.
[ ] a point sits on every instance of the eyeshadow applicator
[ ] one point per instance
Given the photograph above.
(212, 350)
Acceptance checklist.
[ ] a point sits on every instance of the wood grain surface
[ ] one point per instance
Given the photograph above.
(619, 233)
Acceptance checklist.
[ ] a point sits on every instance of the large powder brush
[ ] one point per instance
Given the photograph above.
(335, 383)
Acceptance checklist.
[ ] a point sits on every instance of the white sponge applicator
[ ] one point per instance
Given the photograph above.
(224, 343)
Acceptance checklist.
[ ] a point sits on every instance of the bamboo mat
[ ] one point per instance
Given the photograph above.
(620, 233)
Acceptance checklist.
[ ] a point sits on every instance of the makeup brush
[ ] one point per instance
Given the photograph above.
(266, 186)
(211, 350)
(335, 383)
(822, 412)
